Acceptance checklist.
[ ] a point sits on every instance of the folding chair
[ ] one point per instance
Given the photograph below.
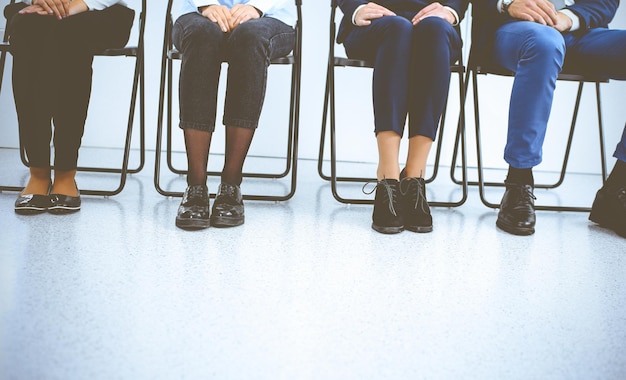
(476, 67)
(170, 54)
(132, 51)
(329, 112)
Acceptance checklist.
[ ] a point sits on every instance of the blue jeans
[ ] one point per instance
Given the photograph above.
(411, 70)
(248, 50)
(537, 53)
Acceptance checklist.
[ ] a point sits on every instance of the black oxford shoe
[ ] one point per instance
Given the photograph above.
(228, 210)
(517, 211)
(193, 212)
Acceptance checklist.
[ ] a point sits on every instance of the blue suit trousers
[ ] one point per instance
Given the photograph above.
(537, 53)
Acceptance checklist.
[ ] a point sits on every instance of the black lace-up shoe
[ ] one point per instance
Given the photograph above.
(228, 208)
(609, 209)
(386, 217)
(517, 211)
(415, 209)
(193, 212)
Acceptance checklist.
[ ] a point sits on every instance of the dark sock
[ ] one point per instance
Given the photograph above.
(520, 176)
(618, 175)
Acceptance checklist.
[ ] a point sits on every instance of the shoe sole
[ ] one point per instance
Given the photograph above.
(419, 229)
(519, 231)
(192, 224)
(387, 230)
(225, 222)
(63, 210)
(29, 210)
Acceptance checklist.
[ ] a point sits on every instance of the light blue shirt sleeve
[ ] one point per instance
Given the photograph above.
(283, 10)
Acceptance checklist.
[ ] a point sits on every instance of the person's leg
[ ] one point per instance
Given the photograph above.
(535, 54)
(201, 43)
(32, 38)
(250, 47)
(79, 37)
(436, 45)
(386, 42)
(600, 51)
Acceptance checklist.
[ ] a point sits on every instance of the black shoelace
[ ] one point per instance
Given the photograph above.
(525, 196)
(390, 195)
(417, 192)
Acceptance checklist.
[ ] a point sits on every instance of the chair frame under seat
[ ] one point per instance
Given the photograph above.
(474, 69)
(137, 93)
(169, 55)
(329, 113)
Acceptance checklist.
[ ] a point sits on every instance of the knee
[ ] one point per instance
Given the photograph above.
(395, 27)
(436, 34)
(544, 45)
(196, 32)
(434, 27)
(247, 40)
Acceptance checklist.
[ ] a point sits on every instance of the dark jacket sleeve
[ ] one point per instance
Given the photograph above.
(594, 13)
(460, 6)
(349, 6)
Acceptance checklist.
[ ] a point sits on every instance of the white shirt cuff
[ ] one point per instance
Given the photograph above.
(456, 15)
(355, 12)
(204, 3)
(573, 17)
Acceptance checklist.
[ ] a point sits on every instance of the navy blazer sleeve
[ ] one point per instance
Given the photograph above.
(594, 13)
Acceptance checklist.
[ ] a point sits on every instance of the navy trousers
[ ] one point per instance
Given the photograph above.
(411, 70)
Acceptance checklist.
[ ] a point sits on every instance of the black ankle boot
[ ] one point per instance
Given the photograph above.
(228, 208)
(386, 217)
(415, 209)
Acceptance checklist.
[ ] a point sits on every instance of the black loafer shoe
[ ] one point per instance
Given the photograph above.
(415, 209)
(63, 204)
(517, 211)
(228, 208)
(386, 217)
(609, 209)
(30, 204)
(193, 212)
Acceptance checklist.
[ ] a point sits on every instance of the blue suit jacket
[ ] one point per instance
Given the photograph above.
(486, 20)
(349, 6)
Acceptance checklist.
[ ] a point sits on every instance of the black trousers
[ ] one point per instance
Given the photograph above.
(52, 76)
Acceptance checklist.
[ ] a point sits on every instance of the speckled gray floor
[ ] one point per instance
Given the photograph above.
(305, 290)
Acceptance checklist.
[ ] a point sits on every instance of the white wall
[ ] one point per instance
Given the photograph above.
(112, 77)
